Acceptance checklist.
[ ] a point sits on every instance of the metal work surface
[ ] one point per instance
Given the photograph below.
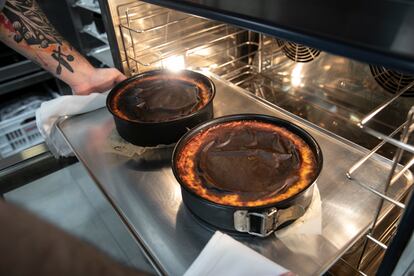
(145, 193)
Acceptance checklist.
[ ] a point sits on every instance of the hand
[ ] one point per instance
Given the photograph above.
(98, 80)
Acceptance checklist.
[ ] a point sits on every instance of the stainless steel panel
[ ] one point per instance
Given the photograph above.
(18, 69)
(148, 197)
(23, 155)
(25, 81)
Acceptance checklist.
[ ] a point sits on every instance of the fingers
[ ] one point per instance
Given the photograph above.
(100, 81)
(116, 75)
(120, 77)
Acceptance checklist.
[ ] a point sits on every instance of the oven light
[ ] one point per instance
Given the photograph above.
(174, 63)
(296, 76)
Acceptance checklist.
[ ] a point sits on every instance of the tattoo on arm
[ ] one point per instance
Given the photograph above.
(31, 25)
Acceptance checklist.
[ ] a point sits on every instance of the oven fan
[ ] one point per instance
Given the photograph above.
(392, 81)
(298, 52)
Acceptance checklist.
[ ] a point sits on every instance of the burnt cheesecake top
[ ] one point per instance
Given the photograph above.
(160, 98)
(246, 163)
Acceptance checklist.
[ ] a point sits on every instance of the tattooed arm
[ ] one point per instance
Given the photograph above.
(25, 28)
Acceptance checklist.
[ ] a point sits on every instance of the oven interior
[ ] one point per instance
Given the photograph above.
(364, 103)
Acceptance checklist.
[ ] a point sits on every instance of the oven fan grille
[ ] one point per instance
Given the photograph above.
(392, 81)
(298, 52)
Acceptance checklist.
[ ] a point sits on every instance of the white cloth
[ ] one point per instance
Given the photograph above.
(308, 224)
(48, 114)
(305, 230)
(225, 256)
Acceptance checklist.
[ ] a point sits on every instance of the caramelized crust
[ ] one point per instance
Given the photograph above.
(119, 110)
(300, 174)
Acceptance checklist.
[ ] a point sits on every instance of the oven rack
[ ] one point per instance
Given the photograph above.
(155, 37)
(405, 131)
(381, 240)
(161, 38)
(403, 146)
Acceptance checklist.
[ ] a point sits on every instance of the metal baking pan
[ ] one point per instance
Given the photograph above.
(144, 133)
(149, 201)
(260, 220)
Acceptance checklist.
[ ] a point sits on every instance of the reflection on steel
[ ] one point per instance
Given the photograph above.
(383, 246)
(374, 150)
(377, 110)
(402, 171)
(386, 138)
(380, 194)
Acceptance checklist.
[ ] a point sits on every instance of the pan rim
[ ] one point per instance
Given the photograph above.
(118, 86)
(309, 139)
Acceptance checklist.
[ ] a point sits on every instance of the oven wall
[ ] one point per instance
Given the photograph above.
(112, 21)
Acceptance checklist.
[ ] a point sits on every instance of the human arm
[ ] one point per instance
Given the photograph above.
(25, 28)
(30, 246)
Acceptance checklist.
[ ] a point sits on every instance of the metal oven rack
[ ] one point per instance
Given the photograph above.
(155, 37)
(399, 138)
(161, 38)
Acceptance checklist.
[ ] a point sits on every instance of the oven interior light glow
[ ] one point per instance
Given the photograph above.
(296, 76)
(174, 63)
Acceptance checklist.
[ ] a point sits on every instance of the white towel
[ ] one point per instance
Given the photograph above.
(308, 224)
(305, 230)
(225, 256)
(49, 112)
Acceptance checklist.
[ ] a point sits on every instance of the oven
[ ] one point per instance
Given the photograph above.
(348, 84)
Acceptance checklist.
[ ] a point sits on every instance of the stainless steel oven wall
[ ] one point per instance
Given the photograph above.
(146, 36)
(109, 11)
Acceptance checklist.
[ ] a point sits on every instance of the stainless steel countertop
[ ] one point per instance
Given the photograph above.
(147, 197)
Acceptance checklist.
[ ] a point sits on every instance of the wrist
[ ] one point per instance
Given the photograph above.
(82, 73)
(81, 80)
(97, 80)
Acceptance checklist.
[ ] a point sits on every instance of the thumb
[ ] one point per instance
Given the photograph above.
(120, 77)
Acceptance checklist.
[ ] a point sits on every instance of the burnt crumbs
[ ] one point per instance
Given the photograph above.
(31, 25)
